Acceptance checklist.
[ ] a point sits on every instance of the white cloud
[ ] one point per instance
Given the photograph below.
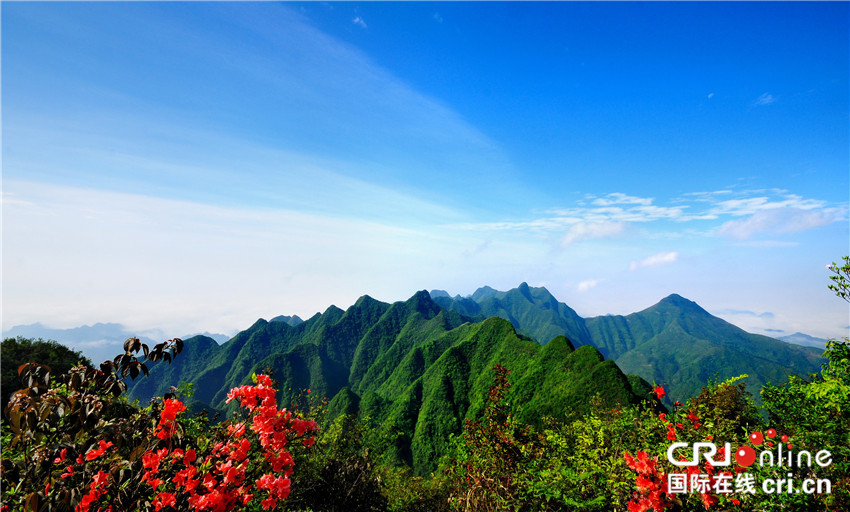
(750, 205)
(607, 215)
(710, 95)
(359, 21)
(587, 230)
(620, 198)
(437, 17)
(662, 258)
(764, 99)
(779, 220)
(744, 312)
(588, 284)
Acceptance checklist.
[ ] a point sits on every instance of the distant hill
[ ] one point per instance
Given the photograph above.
(675, 342)
(98, 342)
(805, 340)
(413, 367)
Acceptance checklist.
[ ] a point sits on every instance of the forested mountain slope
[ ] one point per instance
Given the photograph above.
(675, 342)
(413, 367)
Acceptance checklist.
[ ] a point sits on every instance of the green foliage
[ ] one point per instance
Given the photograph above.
(500, 463)
(840, 279)
(489, 458)
(340, 471)
(726, 409)
(67, 416)
(19, 351)
(817, 412)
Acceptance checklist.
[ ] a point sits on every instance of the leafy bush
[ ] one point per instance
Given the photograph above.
(74, 443)
(19, 351)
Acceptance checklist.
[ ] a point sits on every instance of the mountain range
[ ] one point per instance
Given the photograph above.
(675, 343)
(416, 369)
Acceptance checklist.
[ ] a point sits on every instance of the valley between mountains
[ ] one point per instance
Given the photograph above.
(418, 368)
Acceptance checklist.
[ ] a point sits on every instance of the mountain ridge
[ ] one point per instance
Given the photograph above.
(674, 342)
(411, 366)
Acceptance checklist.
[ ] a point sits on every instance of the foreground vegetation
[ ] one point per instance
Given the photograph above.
(74, 442)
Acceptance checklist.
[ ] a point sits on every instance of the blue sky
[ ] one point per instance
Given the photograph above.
(194, 166)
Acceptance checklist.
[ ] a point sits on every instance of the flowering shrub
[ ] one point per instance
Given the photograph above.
(652, 491)
(74, 443)
(240, 462)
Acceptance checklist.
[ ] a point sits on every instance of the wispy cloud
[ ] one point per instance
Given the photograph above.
(587, 230)
(588, 284)
(764, 99)
(779, 220)
(620, 198)
(750, 205)
(744, 312)
(339, 105)
(437, 17)
(735, 214)
(662, 258)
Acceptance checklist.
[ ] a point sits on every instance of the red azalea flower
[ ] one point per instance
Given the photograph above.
(171, 409)
(659, 392)
(708, 500)
(164, 499)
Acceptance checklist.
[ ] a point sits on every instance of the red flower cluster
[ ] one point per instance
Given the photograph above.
(220, 481)
(218, 476)
(694, 419)
(651, 484)
(169, 413)
(671, 427)
(651, 480)
(96, 490)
